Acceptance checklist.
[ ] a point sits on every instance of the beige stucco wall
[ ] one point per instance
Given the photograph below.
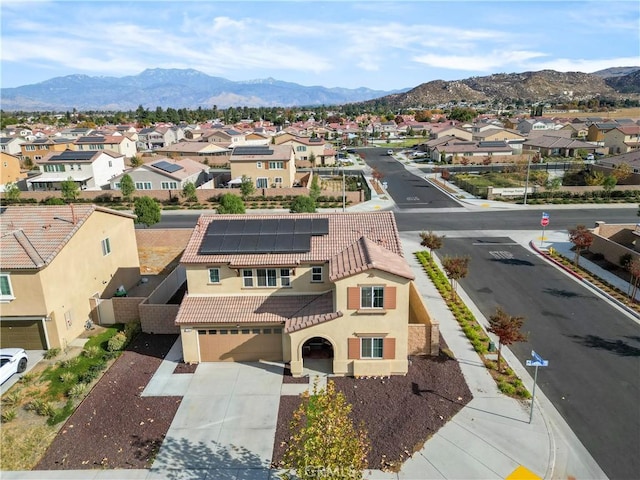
(80, 271)
(231, 283)
(9, 169)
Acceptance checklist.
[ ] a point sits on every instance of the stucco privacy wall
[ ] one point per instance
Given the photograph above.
(424, 332)
(125, 309)
(606, 238)
(159, 319)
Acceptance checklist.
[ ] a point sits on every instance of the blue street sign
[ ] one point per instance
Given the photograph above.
(545, 215)
(532, 363)
(536, 356)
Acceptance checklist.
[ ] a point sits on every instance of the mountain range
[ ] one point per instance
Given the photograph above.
(188, 88)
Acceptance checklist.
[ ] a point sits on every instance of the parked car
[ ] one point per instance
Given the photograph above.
(389, 152)
(12, 361)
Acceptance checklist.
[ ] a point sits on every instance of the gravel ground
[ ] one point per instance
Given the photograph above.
(114, 427)
(399, 413)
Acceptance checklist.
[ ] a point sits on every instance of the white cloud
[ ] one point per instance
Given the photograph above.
(480, 62)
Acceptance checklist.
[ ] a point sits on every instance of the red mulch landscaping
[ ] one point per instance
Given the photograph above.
(399, 413)
(114, 427)
(288, 378)
(185, 368)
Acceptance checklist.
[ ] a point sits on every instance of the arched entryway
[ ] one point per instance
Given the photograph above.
(317, 356)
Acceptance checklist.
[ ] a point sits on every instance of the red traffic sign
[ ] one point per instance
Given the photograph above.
(544, 221)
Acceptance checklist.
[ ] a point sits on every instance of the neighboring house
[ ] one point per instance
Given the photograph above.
(57, 263)
(294, 286)
(553, 146)
(154, 138)
(116, 143)
(90, 170)
(528, 125)
(38, 149)
(608, 164)
(11, 145)
(457, 151)
(76, 132)
(622, 139)
(306, 147)
(445, 131)
(268, 166)
(578, 130)
(228, 137)
(165, 174)
(194, 149)
(513, 138)
(10, 171)
(596, 132)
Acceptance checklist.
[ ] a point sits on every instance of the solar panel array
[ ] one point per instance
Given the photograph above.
(269, 235)
(166, 166)
(72, 155)
(253, 150)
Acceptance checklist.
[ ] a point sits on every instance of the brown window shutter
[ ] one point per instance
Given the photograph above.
(389, 298)
(389, 349)
(353, 298)
(354, 348)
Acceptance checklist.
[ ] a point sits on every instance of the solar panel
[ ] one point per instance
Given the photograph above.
(166, 166)
(286, 225)
(253, 150)
(319, 226)
(252, 227)
(230, 243)
(303, 225)
(236, 227)
(301, 242)
(72, 155)
(266, 243)
(283, 243)
(248, 244)
(269, 226)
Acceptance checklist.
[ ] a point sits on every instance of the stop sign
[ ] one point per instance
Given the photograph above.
(544, 221)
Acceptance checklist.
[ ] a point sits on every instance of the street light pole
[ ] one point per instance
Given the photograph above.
(526, 184)
(344, 195)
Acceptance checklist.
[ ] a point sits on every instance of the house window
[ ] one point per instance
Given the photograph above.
(258, 164)
(143, 185)
(37, 157)
(106, 246)
(110, 164)
(316, 274)
(117, 185)
(285, 277)
(54, 168)
(6, 292)
(266, 277)
(71, 167)
(262, 182)
(371, 347)
(276, 165)
(214, 275)
(278, 180)
(247, 278)
(30, 148)
(169, 185)
(301, 148)
(372, 297)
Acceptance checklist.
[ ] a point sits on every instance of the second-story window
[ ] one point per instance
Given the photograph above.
(106, 246)
(316, 274)
(247, 278)
(214, 275)
(276, 165)
(6, 292)
(258, 164)
(372, 297)
(285, 277)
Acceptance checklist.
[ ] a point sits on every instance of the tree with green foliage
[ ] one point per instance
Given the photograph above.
(12, 191)
(246, 187)
(230, 203)
(147, 210)
(581, 238)
(507, 328)
(127, 187)
(189, 192)
(303, 204)
(324, 443)
(135, 161)
(432, 241)
(312, 160)
(455, 268)
(70, 189)
(314, 189)
(608, 184)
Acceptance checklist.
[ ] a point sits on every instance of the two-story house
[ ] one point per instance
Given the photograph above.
(165, 174)
(116, 143)
(289, 287)
(622, 139)
(309, 151)
(36, 150)
(57, 263)
(90, 170)
(11, 145)
(268, 166)
(10, 171)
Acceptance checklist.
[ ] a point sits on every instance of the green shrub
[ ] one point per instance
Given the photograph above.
(8, 414)
(41, 407)
(70, 363)
(67, 377)
(51, 353)
(12, 398)
(77, 390)
(91, 351)
(132, 329)
(506, 388)
(27, 378)
(117, 342)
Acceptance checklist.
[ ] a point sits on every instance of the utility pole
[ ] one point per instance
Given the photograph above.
(344, 195)
(526, 184)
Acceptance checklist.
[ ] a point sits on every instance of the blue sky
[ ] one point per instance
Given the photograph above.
(374, 44)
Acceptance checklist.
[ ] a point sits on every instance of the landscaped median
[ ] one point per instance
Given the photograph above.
(506, 380)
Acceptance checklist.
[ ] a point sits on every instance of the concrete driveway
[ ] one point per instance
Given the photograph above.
(225, 426)
(34, 357)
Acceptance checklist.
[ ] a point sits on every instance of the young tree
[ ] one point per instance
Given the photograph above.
(455, 268)
(147, 210)
(70, 190)
(506, 328)
(582, 238)
(302, 204)
(314, 189)
(230, 203)
(377, 176)
(608, 184)
(11, 191)
(189, 192)
(431, 241)
(634, 269)
(246, 187)
(324, 443)
(622, 172)
(312, 159)
(135, 161)
(127, 187)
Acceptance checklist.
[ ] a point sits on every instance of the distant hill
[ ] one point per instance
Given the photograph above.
(542, 86)
(176, 88)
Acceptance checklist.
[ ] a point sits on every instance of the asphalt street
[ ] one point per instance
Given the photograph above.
(593, 378)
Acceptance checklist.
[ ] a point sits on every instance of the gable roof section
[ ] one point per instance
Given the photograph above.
(32, 236)
(363, 255)
(344, 229)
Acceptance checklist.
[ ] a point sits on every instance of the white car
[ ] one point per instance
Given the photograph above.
(12, 360)
(389, 152)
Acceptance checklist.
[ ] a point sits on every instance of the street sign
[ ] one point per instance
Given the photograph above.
(544, 221)
(536, 363)
(536, 356)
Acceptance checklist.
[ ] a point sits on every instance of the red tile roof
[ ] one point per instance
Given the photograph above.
(248, 309)
(32, 236)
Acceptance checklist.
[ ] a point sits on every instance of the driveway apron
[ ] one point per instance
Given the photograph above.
(226, 423)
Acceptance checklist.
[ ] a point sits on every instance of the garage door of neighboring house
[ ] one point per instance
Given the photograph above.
(27, 334)
(248, 344)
